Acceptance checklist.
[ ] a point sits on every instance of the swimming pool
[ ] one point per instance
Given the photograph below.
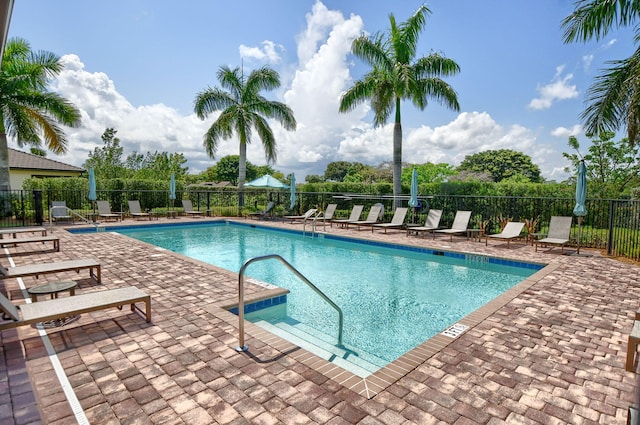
(393, 297)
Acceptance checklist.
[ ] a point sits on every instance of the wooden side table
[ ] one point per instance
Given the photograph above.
(53, 289)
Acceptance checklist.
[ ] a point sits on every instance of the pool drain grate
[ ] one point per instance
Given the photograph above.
(455, 330)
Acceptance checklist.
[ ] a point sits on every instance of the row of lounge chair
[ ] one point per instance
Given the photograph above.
(59, 308)
(558, 234)
(60, 211)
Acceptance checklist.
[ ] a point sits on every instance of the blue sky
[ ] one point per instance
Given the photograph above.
(137, 66)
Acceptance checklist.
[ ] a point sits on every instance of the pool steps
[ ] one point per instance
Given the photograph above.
(296, 334)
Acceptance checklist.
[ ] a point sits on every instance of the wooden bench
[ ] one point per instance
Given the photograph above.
(42, 239)
(60, 266)
(43, 311)
(14, 231)
(632, 346)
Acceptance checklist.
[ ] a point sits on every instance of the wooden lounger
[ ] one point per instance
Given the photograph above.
(60, 266)
(16, 230)
(43, 239)
(42, 311)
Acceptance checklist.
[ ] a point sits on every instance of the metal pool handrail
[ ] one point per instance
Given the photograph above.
(69, 211)
(241, 346)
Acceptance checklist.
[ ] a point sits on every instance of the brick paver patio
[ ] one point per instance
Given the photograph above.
(554, 354)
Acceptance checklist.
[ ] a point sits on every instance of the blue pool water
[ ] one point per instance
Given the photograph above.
(393, 297)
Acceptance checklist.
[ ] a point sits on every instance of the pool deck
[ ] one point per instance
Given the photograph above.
(551, 352)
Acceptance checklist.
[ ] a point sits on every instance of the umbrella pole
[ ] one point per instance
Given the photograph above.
(579, 232)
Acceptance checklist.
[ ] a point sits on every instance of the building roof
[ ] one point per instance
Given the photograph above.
(27, 161)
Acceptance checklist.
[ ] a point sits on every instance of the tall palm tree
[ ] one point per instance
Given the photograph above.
(397, 75)
(613, 100)
(29, 113)
(243, 108)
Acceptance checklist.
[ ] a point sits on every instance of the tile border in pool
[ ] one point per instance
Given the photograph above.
(408, 248)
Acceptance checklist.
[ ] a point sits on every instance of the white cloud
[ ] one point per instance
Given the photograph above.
(558, 89)
(269, 52)
(564, 132)
(587, 60)
(320, 76)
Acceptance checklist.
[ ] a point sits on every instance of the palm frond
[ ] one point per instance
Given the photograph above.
(268, 140)
(607, 99)
(595, 18)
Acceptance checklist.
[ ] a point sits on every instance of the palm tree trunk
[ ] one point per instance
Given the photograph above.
(5, 184)
(242, 175)
(397, 158)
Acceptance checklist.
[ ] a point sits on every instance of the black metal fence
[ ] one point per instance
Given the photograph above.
(610, 224)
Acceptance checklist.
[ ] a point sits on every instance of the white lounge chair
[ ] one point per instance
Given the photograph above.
(15, 230)
(356, 212)
(511, 231)
(372, 218)
(56, 267)
(459, 226)
(43, 311)
(59, 212)
(136, 211)
(104, 211)
(397, 221)
(188, 209)
(304, 217)
(322, 217)
(559, 232)
(431, 224)
(41, 240)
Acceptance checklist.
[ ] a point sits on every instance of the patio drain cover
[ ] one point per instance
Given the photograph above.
(455, 330)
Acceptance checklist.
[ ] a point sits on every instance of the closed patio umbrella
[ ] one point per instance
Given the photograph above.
(172, 188)
(292, 198)
(92, 189)
(580, 210)
(413, 199)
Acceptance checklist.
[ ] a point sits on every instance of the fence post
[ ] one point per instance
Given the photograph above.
(37, 203)
(611, 222)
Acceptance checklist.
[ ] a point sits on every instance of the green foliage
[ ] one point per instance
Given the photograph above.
(107, 161)
(612, 100)
(159, 166)
(314, 178)
(29, 112)
(428, 173)
(612, 167)
(227, 169)
(502, 164)
(336, 171)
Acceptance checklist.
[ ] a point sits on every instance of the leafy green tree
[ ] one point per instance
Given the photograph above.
(612, 167)
(29, 113)
(159, 166)
(428, 173)
(314, 178)
(613, 100)
(107, 161)
(336, 170)
(396, 75)
(502, 164)
(243, 109)
(226, 169)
